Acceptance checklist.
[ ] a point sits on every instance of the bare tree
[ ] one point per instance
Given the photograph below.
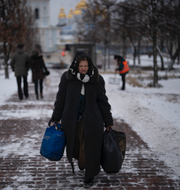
(126, 25)
(135, 21)
(97, 19)
(152, 18)
(172, 29)
(15, 27)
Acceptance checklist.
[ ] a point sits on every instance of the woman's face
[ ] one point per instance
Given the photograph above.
(83, 67)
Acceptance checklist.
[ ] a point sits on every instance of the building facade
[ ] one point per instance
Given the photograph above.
(47, 34)
(53, 38)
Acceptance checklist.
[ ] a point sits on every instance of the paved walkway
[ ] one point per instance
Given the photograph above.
(22, 167)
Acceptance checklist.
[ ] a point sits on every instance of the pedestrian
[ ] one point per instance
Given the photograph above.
(20, 65)
(39, 71)
(83, 109)
(123, 68)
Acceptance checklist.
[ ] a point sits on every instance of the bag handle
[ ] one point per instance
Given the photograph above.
(58, 125)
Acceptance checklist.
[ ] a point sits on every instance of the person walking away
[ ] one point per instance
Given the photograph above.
(39, 70)
(123, 68)
(83, 109)
(20, 65)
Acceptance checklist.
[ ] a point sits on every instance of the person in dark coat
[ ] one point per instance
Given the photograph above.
(39, 71)
(20, 65)
(82, 106)
(123, 68)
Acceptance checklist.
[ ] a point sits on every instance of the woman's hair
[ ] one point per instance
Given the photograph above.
(81, 56)
(82, 59)
(35, 52)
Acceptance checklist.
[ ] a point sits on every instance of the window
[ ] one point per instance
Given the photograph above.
(36, 13)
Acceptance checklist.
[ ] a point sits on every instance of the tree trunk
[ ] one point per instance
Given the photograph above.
(155, 82)
(138, 51)
(109, 57)
(171, 49)
(6, 67)
(105, 57)
(94, 54)
(179, 43)
(161, 43)
(124, 47)
(162, 62)
(173, 58)
(134, 56)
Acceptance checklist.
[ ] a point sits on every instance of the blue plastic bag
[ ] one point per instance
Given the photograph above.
(53, 143)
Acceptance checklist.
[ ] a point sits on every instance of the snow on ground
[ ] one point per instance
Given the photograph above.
(152, 116)
(152, 112)
(8, 86)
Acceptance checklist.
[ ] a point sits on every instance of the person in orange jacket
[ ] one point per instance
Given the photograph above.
(123, 68)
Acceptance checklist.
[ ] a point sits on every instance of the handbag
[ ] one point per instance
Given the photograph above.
(111, 155)
(53, 143)
(47, 81)
(46, 73)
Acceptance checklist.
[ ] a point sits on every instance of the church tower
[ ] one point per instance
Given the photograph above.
(70, 17)
(40, 10)
(48, 35)
(62, 18)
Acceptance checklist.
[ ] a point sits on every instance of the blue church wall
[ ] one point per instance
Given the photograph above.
(47, 40)
(53, 39)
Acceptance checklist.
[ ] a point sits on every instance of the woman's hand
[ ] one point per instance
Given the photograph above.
(109, 127)
(53, 121)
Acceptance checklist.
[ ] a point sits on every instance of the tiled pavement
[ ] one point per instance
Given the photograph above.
(22, 167)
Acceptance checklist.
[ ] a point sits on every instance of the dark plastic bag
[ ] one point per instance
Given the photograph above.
(121, 139)
(53, 143)
(111, 156)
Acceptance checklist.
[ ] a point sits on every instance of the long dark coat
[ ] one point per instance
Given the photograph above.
(20, 63)
(96, 115)
(38, 67)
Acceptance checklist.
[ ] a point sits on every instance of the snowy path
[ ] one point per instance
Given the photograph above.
(22, 125)
(152, 113)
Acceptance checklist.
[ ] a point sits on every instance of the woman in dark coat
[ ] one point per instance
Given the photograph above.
(84, 111)
(39, 69)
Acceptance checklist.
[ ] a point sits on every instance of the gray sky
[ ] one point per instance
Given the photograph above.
(55, 6)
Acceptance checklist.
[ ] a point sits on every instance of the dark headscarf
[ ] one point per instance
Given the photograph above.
(92, 70)
(35, 53)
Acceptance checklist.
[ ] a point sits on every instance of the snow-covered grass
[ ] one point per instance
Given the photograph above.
(154, 113)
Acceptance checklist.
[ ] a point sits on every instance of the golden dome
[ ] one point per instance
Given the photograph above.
(62, 14)
(77, 11)
(70, 15)
(82, 4)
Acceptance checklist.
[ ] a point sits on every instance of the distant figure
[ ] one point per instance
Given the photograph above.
(123, 68)
(20, 65)
(39, 71)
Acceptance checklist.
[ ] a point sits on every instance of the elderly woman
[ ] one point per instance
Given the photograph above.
(84, 111)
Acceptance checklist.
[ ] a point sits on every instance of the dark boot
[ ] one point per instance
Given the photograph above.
(88, 182)
(37, 96)
(41, 96)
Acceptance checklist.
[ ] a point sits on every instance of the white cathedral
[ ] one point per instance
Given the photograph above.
(53, 38)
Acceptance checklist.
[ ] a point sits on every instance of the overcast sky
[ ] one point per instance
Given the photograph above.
(55, 6)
